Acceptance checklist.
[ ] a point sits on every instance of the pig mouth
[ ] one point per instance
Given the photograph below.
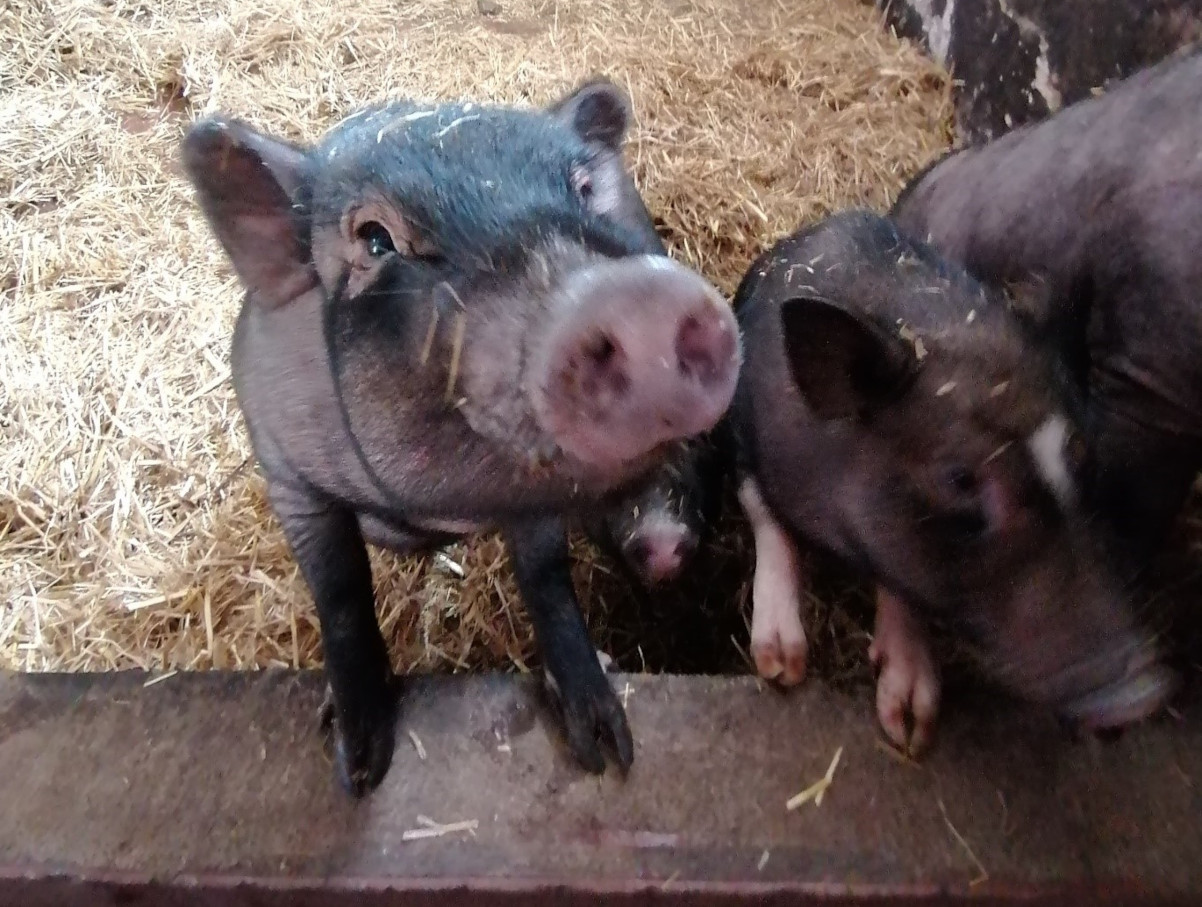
(1143, 689)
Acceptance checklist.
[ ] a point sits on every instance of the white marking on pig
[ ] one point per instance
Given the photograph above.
(1047, 445)
(778, 639)
(946, 389)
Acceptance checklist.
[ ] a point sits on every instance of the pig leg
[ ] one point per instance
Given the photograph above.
(539, 552)
(778, 640)
(908, 683)
(361, 700)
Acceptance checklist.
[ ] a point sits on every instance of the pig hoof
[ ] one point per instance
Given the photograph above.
(781, 660)
(362, 748)
(591, 711)
(907, 693)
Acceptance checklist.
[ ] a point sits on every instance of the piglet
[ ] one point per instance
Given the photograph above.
(457, 318)
(894, 413)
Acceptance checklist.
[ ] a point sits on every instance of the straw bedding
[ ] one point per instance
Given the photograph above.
(133, 526)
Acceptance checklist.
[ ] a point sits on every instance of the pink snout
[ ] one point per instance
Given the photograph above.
(659, 552)
(645, 352)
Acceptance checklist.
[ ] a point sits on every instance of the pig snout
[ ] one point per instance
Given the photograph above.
(1142, 687)
(659, 552)
(645, 351)
(1116, 680)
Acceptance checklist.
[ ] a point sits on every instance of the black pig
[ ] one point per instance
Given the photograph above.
(457, 317)
(893, 412)
(1103, 203)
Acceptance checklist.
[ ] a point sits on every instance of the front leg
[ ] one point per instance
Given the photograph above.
(539, 552)
(778, 639)
(908, 683)
(326, 541)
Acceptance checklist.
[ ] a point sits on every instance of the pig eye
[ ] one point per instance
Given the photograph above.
(960, 480)
(582, 183)
(377, 238)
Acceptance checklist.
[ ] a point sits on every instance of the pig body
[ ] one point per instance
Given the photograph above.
(1103, 202)
(893, 412)
(458, 318)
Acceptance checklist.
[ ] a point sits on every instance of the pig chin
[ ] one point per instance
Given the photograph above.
(608, 464)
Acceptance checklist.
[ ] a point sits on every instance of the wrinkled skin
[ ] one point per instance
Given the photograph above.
(893, 412)
(1103, 203)
(457, 318)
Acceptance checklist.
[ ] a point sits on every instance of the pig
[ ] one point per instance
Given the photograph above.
(657, 532)
(1102, 202)
(891, 412)
(457, 318)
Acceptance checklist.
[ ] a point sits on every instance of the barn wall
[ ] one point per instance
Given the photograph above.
(1020, 60)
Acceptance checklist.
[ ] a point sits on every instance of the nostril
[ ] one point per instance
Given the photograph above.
(686, 548)
(599, 370)
(704, 348)
(640, 553)
(600, 350)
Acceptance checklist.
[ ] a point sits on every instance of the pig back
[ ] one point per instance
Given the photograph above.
(1104, 200)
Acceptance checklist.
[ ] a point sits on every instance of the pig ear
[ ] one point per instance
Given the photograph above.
(844, 364)
(598, 111)
(251, 189)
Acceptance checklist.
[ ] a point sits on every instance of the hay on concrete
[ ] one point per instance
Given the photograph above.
(133, 527)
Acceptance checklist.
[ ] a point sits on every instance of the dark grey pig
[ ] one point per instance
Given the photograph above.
(894, 413)
(1103, 201)
(457, 317)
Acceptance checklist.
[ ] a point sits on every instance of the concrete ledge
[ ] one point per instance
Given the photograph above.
(214, 789)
